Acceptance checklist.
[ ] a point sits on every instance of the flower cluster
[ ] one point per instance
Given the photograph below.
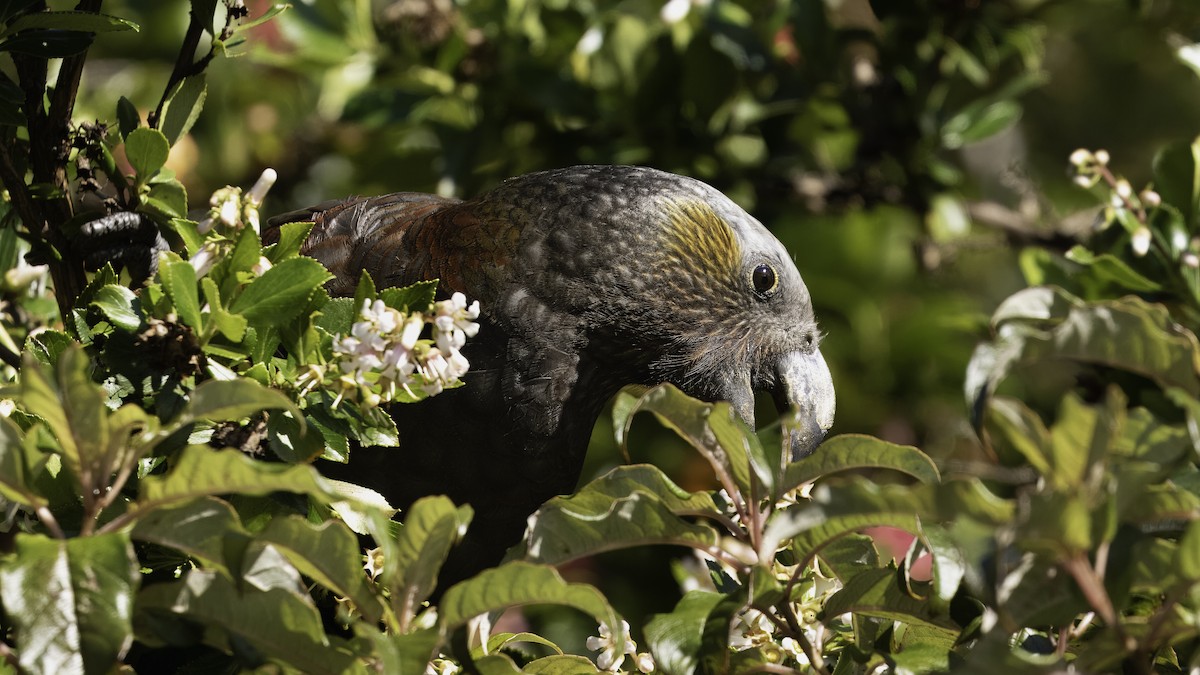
(609, 658)
(384, 358)
(1132, 210)
(230, 210)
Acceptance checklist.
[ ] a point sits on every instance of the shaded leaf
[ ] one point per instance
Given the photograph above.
(179, 280)
(520, 583)
(876, 593)
(629, 506)
(327, 553)
(231, 400)
(120, 305)
(279, 623)
(198, 528)
(676, 638)
(147, 150)
(183, 107)
(87, 22)
(415, 556)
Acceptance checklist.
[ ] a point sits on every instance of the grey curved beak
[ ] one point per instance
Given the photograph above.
(802, 390)
(804, 385)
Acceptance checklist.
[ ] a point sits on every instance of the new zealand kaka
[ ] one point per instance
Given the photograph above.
(590, 278)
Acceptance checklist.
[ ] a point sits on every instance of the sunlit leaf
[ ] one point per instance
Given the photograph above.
(147, 150)
(71, 601)
(856, 451)
(183, 107)
(200, 471)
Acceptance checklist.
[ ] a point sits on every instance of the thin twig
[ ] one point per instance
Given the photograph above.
(50, 522)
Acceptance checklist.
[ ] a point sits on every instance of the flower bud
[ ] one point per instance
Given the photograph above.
(1141, 241)
(1124, 189)
(1101, 157)
(261, 186)
(1150, 198)
(1080, 157)
(1191, 260)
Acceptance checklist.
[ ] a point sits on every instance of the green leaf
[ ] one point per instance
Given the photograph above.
(280, 293)
(179, 280)
(147, 150)
(121, 306)
(855, 451)
(183, 107)
(843, 507)
(231, 400)
(47, 345)
(328, 554)
(975, 123)
(48, 43)
(338, 316)
(86, 22)
(407, 653)
(415, 298)
(128, 117)
(167, 198)
(291, 237)
(1177, 178)
(413, 558)
(876, 593)
(520, 583)
(200, 471)
(1111, 268)
(70, 601)
(689, 418)
(199, 528)
(292, 440)
(675, 639)
(561, 664)
(72, 407)
(629, 506)
(1187, 557)
(15, 467)
(278, 623)
(949, 564)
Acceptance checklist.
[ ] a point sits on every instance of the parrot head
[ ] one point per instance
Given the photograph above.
(670, 273)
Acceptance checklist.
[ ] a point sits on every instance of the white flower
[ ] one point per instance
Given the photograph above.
(644, 662)
(373, 562)
(1124, 189)
(455, 322)
(1101, 157)
(256, 194)
(1080, 157)
(750, 629)
(675, 11)
(228, 212)
(1141, 241)
(609, 658)
(591, 41)
(1151, 198)
(442, 667)
(204, 259)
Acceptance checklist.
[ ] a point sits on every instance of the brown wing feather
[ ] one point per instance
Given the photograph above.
(405, 237)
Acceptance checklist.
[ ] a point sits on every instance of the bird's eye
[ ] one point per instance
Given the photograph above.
(764, 280)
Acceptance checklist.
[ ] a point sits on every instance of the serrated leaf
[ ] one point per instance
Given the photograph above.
(291, 237)
(183, 107)
(70, 601)
(417, 297)
(178, 278)
(338, 316)
(856, 451)
(280, 293)
(629, 506)
(561, 664)
(278, 623)
(120, 305)
(200, 471)
(168, 198)
(147, 150)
